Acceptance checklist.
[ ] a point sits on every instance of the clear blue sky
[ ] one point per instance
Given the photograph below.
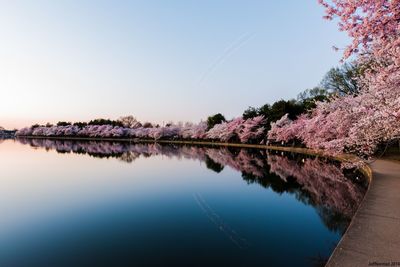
(158, 60)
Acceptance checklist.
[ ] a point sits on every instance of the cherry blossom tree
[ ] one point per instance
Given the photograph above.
(281, 130)
(373, 25)
(358, 123)
(226, 131)
(193, 131)
(251, 129)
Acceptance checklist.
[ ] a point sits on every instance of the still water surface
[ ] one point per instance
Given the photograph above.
(68, 203)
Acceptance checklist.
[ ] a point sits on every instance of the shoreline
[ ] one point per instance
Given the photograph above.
(300, 150)
(366, 171)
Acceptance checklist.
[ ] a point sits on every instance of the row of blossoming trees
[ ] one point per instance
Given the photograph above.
(236, 130)
(354, 122)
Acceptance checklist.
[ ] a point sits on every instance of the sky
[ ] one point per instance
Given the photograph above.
(157, 60)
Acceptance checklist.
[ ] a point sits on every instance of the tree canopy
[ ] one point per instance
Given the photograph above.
(215, 119)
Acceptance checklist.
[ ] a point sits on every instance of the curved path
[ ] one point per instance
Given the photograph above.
(373, 237)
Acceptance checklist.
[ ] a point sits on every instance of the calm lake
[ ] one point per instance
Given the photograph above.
(69, 203)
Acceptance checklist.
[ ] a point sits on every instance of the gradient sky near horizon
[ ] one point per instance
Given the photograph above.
(157, 60)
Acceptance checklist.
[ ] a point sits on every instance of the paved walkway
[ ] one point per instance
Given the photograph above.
(373, 237)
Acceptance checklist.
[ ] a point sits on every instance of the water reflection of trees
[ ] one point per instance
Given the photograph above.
(334, 194)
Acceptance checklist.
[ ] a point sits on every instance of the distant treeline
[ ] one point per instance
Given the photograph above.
(251, 127)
